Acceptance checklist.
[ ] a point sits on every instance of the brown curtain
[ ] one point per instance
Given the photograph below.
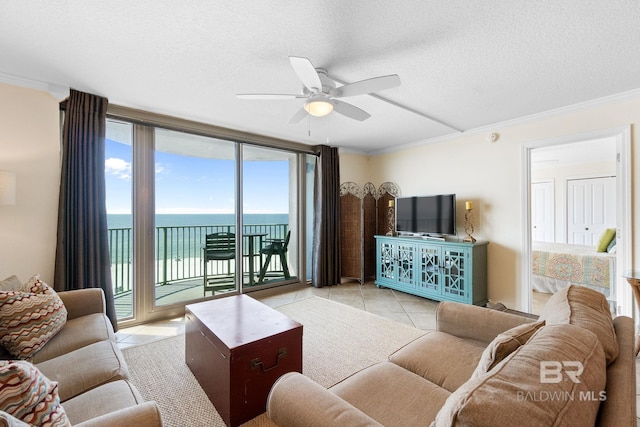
(82, 252)
(326, 228)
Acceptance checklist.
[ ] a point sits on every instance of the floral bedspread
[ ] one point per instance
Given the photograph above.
(573, 263)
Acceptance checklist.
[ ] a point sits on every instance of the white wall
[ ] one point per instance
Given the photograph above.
(30, 147)
(486, 173)
(489, 174)
(358, 169)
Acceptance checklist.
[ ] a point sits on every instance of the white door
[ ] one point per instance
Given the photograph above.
(591, 207)
(542, 216)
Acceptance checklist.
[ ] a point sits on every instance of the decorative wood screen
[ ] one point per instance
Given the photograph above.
(351, 228)
(369, 230)
(363, 214)
(386, 192)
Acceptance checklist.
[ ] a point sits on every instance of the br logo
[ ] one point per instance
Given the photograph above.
(551, 371)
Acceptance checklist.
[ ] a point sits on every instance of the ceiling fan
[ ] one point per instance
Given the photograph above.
(322, 94)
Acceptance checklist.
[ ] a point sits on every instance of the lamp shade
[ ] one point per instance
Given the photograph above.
(7, 188)
(318, 106)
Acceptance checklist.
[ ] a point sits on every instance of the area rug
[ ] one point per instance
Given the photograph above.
(338, 341)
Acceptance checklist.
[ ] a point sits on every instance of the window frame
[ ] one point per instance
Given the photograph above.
(143, 195)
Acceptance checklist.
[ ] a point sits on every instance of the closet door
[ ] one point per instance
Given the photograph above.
(542, 212)
(591, 207)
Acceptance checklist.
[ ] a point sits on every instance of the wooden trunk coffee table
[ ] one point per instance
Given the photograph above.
(237, 348)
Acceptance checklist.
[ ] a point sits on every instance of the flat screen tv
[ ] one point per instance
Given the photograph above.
(426, 215)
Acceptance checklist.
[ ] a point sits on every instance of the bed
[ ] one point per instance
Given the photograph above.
(556, 265)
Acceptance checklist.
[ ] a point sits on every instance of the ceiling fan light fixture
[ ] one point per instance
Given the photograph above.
(318, 106)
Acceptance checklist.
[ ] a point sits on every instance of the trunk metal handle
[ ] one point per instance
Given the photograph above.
(255, 363)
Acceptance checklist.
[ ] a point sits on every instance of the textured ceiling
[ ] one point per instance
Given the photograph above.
(467, 64)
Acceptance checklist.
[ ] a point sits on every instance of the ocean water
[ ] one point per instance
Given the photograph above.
(173, 220)
(181, 236)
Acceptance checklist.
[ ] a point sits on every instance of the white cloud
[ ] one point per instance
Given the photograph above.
(118, 167)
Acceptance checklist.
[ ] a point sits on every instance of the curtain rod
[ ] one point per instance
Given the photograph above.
(203, 129)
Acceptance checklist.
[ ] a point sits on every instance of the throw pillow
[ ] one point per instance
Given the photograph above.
(523, 391)
(30, 396)
(606, 237)
(505, 344)
(577, 305)
(29, 317)
(11, 283)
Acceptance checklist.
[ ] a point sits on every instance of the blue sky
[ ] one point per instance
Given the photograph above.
(186, 184)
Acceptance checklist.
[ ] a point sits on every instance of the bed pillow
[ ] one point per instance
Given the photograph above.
(577, 305)
(505, 344)
(30, 396)
(29, 317)
(606, 237)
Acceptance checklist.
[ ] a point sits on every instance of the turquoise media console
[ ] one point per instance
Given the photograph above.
(434, 269)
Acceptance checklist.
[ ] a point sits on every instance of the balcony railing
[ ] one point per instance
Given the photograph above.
(178, 252)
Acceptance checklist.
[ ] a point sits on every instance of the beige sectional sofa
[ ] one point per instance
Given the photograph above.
(575, 366)
(89, 368)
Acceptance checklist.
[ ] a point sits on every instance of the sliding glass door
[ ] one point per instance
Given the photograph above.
(269, 188)
(118, 176)
(193, 217)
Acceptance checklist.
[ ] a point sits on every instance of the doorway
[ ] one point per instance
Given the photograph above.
(567, 184)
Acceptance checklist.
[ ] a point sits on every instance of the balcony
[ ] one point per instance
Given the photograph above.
(179, 266)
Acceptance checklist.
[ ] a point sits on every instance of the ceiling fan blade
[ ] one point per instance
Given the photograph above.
(306, 73)
(299, 115)
(266, 96)
(362, 87)
(349, 110)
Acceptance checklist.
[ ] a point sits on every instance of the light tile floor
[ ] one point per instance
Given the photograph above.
(408, 309)
(404, 308)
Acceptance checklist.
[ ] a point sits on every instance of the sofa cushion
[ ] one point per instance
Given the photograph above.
(530, 391)
(505, 344)
(77, 333)
(580, 306)
(8, 420)
(93, 365)
(443, 359)
(29, 317)
(475, 323)
(103, 400)
(392, 395)
(30, 396)
(284, 408)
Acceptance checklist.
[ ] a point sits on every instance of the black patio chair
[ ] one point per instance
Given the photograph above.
(219, 247)
(277, 247)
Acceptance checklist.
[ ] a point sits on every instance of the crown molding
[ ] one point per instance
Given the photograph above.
(59, 92)
(574, 108)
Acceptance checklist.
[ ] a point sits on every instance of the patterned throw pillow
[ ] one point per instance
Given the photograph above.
(29, 317)
(30, 396)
